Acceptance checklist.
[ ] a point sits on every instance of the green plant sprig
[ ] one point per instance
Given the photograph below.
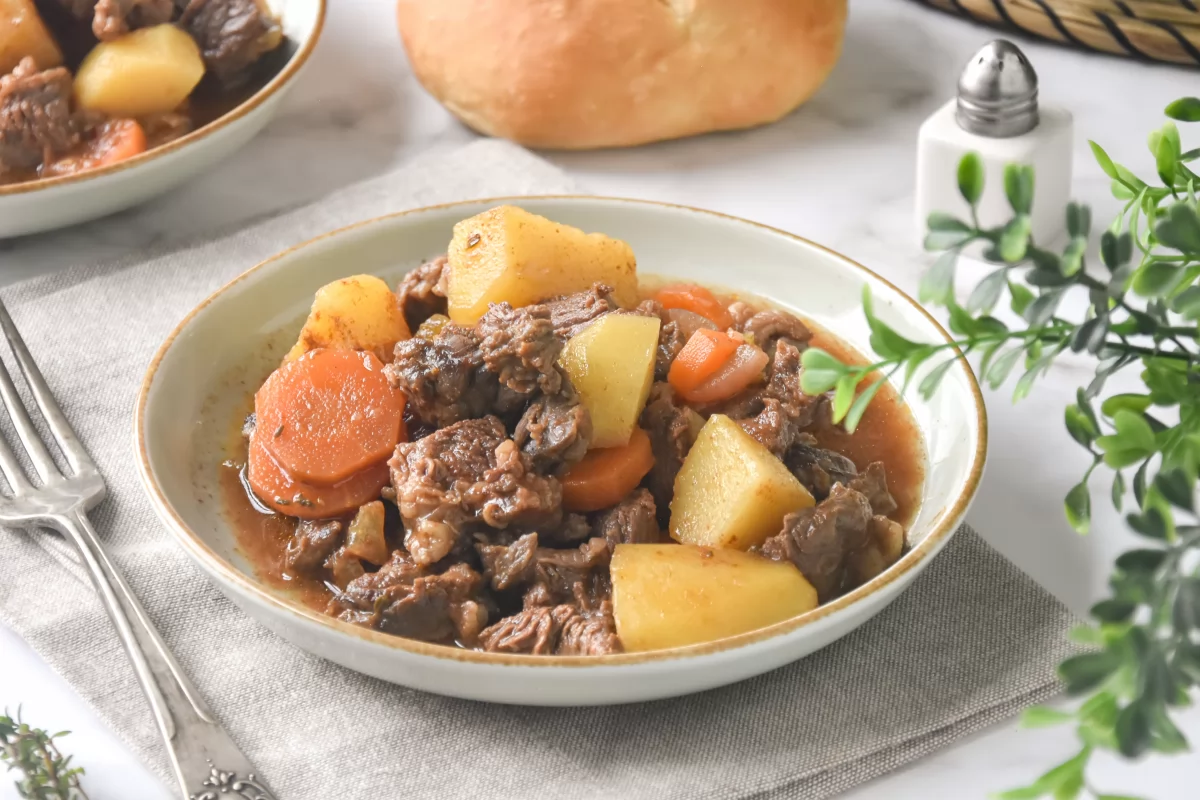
(45, 773)
(1141, 658)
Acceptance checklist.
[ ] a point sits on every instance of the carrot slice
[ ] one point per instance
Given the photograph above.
(742, 369)
(120, 139)
(605, 475)
(696, 299)
(283, 493)
(329, 414)
(705, 353)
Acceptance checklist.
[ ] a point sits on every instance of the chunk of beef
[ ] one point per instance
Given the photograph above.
(573, 530)
(232, 34)
(509, 566)
(819, 540)
(115, 18)
(548, 576)
(464, 475)
(772, 326)
(561, 630)
(886, 543)
(632, 521)
(778, 413)
(422, 293)
(671, 337)
(872, 482)
(35, 116)
(444, 379)
(554, 431)
(404, 599)
(741, 313)
(312, 543)
(819, 469)
(519, 346)
(571, 313)
(671, 437)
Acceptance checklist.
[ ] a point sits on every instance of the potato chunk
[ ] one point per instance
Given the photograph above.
(356, 313)
(611, 365)
(670, 595)
(732, 492)
(508, 254)
(144, 72)
(23, 34)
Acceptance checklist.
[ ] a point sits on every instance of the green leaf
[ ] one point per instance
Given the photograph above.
(941, 221)
(1180, 228)
(1166, 153)
(946, 240)
(1185, 109)
(1014, 239)
(1118, 490)
(1021, 298)
(1139, 484)
(1072, 259)
(1080, 426)
(1101, 157)
(1185, 614)
(970, 178)
(816, 358)
(1023, 793)
(1133, 440)
(1070, 788)
(987, 292)
(1044, 717)
(843, 395)
(1187, 303)
(1156, 278)
(1113, 610)
(1149, 523)
(937, 284)
(1018, 187)
(1141, 560)
(1177, 488)
(859, 407)
(929, 385)
(1133, 730)
(1079, 219)
(817, 381)
(1085, 672)
(1042, 309)
(1079, 507)
(1137, 403)
(1002, 366)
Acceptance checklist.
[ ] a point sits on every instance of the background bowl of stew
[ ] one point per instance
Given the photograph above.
(225, 123)
(209, 367)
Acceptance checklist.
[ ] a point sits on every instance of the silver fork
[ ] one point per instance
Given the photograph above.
(205, 760)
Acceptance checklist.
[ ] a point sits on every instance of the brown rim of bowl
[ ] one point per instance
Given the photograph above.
(272, 87)
(943, 526)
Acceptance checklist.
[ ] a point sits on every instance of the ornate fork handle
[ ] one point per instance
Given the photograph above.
(206, 762)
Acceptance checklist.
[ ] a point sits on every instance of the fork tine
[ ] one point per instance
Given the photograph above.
(14, 473)
(43, 462)
(76, 455)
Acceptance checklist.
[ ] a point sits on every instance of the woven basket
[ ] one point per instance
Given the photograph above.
(1150, 30)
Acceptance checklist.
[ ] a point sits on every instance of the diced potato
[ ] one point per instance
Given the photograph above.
(356, 313)
(508, 254)
(732, 492)
(366, 538)
(23, 34)
(611, 365)
(670, 595)
(144, 72)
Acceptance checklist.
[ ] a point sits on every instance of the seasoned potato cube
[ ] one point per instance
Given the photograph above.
(732, 492)
(23, 34)
(144, 72)
(508, 254)
(611, 365)
(670, 595)
(356, 313)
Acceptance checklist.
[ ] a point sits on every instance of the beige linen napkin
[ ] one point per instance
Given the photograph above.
(971, 642)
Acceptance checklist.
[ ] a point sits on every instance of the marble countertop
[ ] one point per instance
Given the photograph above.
(839, 171)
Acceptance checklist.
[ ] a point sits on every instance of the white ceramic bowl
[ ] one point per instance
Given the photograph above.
(209, 364)
(42, 205)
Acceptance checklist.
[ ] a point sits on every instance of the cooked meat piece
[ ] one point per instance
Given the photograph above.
(671, 438)
(573, 530)
(554, 431)
(772, 326)
(81, 10)
(561, 630)
(444, 378)
(35, 116)
(312, 543)
(165, 127)
(422, 293)
(872, 482)
(344, 566)
(777, 414)
(632, 521)
(467, 474)
(508, 566)
(819, 540)
(741, 314)
(671, 338)
(232, 34)
(115, 18)
(519, 346)
(885, 545)
(571, 313)
(819, 469)
(405, 600)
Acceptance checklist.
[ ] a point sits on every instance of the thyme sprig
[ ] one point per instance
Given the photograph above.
(45, 774)
(1141, 658)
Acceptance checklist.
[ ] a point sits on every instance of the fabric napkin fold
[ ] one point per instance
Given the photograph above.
(968, 644)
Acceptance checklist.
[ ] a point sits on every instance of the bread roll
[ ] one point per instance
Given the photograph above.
(577, 74)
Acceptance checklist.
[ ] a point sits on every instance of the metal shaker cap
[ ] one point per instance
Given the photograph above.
(997, 92)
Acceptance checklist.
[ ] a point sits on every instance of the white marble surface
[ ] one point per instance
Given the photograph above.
(838, 171)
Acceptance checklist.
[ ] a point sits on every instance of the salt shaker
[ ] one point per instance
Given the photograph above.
(997, 115)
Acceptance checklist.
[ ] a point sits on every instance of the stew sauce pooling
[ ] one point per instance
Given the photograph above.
(498, 523)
